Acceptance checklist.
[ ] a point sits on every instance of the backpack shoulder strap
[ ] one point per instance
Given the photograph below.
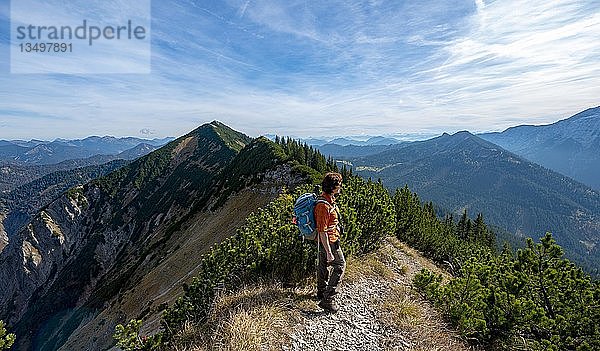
(330, 207)
(322, 200)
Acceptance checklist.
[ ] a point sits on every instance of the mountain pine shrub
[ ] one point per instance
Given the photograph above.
(441, 240)
(268, 248)
(6, 339)
(535, 296)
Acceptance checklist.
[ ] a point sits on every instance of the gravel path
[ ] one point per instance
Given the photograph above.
(359, 325)
(354, 327)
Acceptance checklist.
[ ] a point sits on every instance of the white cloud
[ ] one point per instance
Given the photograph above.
(332, 69)
(530, 60)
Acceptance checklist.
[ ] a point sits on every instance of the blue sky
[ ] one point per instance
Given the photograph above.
(324, 68)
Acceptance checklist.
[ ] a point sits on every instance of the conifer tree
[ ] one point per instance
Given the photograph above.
(464, 226)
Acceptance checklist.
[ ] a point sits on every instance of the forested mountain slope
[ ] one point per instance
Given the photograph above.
(24, 201)
(570, 146)
(464, 172)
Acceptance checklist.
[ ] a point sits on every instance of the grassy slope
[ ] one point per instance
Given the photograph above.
(162, 284)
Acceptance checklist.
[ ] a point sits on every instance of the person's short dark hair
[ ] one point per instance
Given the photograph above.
(331, 181)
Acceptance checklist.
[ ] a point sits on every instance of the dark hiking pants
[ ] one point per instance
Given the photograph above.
(328, 283)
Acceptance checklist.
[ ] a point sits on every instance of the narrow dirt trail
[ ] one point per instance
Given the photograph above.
(378, 309)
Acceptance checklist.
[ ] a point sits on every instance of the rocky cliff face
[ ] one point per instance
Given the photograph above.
(74, 269)
(37, 253)
(24, 201)
(3, 235)
(157, 282)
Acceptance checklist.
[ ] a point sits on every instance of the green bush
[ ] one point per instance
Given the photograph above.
(6, 340)
(443, 241)
(128, 337)
(535, 295)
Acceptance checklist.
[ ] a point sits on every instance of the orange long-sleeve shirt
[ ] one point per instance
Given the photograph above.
(327, 219)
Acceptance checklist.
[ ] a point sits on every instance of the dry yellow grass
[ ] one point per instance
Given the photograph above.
(254, 319)
(399, 309)
(371, 264)
(258, 329)
(404, 309)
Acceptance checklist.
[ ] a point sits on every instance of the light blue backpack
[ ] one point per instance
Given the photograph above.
(304, 215)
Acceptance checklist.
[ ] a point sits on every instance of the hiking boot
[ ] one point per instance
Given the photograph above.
(328, 305)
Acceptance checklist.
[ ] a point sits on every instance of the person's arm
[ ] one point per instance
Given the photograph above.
(322, 218)
(325, 240)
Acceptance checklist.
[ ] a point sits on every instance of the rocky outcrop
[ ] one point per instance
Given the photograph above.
(3, 234)
(36, 254)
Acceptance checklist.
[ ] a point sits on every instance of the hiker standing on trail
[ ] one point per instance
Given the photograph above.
(327, 217)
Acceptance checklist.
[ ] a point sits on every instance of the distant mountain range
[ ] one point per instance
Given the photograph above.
(31, 166)
(36, 152)
(463, 171)
(14, 174)
(348, 151)
(372, 141)
(27, 187)
(570, 146)
(346, 141)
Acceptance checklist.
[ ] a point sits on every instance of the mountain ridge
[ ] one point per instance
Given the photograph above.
(149, 218)
(92, 218)
(570, 146)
